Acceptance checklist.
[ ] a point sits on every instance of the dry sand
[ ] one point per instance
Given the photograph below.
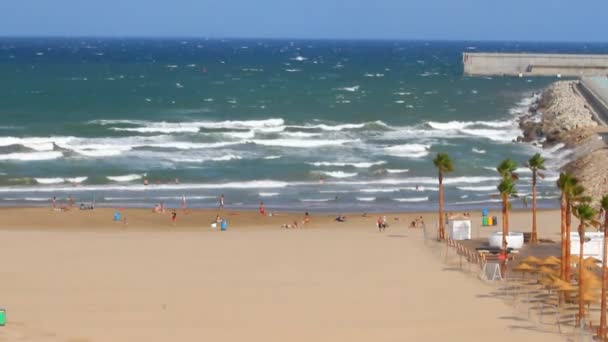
(78, 276)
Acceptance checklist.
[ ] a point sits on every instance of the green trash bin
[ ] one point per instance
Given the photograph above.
(2, 317)
(484, 221)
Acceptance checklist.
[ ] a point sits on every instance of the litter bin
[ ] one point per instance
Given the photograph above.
(224, 225)
(2, 317)
(484, 212)
(484, 221)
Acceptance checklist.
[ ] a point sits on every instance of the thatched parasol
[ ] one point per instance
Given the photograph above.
(546, 270)
(550, 261)
(523, 267)
(531, 259)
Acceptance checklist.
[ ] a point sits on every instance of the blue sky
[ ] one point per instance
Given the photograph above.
(555, 20)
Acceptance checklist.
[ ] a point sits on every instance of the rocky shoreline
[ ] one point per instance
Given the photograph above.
(562, 119)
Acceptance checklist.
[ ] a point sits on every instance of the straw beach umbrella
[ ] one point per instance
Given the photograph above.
(531, 260)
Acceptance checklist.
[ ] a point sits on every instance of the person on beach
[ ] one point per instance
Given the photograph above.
(222, 201)
(184, 204)
(54, 203)
(174, 216)
(262, 209)
(379, 223)
(306, 218)
(71, 201)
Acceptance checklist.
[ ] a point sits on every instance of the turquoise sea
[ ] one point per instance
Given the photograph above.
(303, 125)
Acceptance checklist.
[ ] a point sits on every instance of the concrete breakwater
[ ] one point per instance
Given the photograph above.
(534, 64)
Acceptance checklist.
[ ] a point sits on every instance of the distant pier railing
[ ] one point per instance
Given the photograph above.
(534, 64)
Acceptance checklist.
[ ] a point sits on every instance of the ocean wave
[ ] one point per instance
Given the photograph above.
(380, 190)
(300, 134)
(455, 125)
(316, 199)
(397, 170)
(349, 89)
(300, 143)
(408, 150)
(256, 184)
(479, 151)
(477, 188)
(49, 180)
(125, 178)
(365, 199)
(31, 156)
(272, 157)
(227, 157)
(268, 194)
(39, 144)
(339, 174)
(411, 199)
(353, 164)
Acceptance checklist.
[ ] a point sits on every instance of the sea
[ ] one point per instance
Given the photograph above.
(315, 125)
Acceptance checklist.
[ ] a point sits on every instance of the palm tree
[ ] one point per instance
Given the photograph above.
(571, 191)
(602, 328)
(535, 164)
(585, 214)
(444, 164)
(506, 188)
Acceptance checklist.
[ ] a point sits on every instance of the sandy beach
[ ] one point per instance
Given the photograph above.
(78, 276)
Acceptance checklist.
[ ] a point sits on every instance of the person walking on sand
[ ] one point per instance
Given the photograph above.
(222, 201)
(262, 209)
(71, 201)
(379, 223)
(174, 216)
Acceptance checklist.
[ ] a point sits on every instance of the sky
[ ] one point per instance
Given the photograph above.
(515, 20)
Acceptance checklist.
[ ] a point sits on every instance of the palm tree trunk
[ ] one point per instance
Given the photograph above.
(505, 228)
(564, 239)
(441, 228)
(534, 237)
(602, 328)
(568, 241)
(581, 302)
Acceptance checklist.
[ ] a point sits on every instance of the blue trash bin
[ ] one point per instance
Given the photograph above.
(117, 216)
(484, 212)
(224, 225)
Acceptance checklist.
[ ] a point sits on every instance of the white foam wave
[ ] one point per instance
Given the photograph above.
(257, 184)
(408, 150)
(49, 180)
(477, 188)
(272, 157)
(300, 143)
(350, 89)
(339, 174)
(76, 179)
(411, 199)
(397, 170)
(227, 158)
(315, 199)
(366, 199)
(380, 190)
(125, 178)
(479, 151)
(353, 164)
(268, 194)
(30, 156)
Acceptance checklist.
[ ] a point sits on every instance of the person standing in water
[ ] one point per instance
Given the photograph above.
(222, 201)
